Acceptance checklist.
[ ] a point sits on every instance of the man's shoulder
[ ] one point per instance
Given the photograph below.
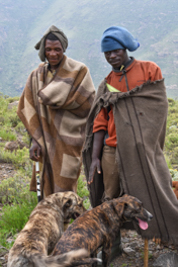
(73, 64)
(146, 63)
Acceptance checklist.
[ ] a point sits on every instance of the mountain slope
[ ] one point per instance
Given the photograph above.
(22, 23)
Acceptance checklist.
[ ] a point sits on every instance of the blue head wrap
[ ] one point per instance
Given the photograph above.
(118, 38)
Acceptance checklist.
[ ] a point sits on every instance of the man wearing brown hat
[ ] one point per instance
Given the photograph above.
(54, 107)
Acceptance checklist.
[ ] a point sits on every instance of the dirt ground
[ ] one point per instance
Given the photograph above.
(6, 170)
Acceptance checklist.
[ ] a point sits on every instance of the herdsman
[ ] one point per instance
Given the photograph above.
(54, 107)
(125, 132)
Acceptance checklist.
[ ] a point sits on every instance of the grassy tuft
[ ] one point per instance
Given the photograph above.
(7, 135)
(15, 216)
(13, 188)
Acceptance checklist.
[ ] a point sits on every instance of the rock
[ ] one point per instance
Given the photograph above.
(11, 146)
(129, 251)
(133, 245)
(169, 259)
(14, 145)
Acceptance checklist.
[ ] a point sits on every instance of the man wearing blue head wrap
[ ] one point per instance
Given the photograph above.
(123, 150)
(118, 38)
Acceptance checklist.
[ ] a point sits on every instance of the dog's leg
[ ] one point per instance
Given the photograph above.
(106, 251)
(94, 255)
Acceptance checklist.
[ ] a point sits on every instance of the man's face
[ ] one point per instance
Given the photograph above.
(116, 58)
(53, 53)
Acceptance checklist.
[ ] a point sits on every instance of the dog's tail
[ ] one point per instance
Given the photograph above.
(72, 258)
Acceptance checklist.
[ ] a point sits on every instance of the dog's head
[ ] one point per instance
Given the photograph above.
(72, 206)
(69, 203)
(132, 209)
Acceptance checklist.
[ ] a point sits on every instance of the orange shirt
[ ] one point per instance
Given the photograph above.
(138, 72)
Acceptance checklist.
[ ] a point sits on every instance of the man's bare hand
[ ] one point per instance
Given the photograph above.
(35, 151)
(95, 165)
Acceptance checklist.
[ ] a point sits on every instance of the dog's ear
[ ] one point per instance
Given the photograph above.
(118, 206)
(67, 203)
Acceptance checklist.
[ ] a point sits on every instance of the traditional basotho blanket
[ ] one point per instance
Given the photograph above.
(140, 118)
(55, 114)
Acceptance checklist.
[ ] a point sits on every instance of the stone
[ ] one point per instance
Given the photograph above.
(169, 259)
(129, 251)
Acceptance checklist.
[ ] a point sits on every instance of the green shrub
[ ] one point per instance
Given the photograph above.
(15, 216)
(2, 120)
(14, 120)
(20, 157)
(174, 174)
(168, 161)
(83, 192)
(174, 156)
(14, 187)
(171, 102)
(7, 135)
(19, 128)
(12, 99)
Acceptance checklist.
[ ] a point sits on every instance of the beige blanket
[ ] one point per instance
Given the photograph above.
(55, 114)
(140, 118)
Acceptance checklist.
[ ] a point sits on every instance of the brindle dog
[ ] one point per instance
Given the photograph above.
(99, 227)
(44, 228)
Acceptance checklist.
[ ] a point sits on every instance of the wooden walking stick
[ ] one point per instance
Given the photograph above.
(38, 181)
(146, 253)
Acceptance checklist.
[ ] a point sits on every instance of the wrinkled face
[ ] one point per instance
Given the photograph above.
(116, 58)
(53, 53)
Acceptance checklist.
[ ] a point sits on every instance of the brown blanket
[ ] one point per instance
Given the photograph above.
(54, 113)
(140, 118)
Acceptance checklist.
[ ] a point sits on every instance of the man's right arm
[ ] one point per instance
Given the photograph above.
(99, 129)
(96, 154)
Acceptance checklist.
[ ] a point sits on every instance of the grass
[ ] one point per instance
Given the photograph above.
(19, 158)
(171, 141)
(7, 135)
(15, 216)
(82, 191)
(14, 187)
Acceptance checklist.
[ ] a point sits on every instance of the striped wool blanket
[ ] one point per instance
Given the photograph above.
(54, 113)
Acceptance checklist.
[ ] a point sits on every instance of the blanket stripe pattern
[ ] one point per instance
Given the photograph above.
(54, 113)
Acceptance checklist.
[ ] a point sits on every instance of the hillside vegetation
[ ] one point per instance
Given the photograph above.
(16, 202)
(22, 23)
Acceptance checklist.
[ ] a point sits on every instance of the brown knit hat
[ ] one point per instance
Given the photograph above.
(58, 33)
